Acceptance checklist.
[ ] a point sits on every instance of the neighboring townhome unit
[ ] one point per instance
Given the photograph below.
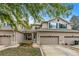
(55, 31)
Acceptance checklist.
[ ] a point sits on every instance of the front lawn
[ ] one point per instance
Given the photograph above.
(21, 51)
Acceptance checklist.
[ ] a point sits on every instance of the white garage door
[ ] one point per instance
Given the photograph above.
(71, 39)
(5, 40)
(49, 40)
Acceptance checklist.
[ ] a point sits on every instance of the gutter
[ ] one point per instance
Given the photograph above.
(58, 31)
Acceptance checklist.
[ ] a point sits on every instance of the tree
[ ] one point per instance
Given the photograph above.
(75, 21)
(18, 14)
(60, 10)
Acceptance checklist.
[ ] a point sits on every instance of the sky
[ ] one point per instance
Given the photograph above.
(75, 9)
(75, 12)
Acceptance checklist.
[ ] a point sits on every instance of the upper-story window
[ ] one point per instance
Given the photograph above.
(57, 26)
(52, 25)
(62, 25)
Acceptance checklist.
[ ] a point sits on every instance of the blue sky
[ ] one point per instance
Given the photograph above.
(75, 11)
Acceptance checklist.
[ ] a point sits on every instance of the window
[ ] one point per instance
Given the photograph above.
(62, 26)
(52, 25)
(57, 26)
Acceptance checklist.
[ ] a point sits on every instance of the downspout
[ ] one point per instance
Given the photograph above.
(14, 37)
(48, 25)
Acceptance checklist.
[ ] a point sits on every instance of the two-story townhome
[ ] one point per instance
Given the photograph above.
(55, 31)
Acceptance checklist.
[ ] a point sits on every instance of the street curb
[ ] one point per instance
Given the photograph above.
(42, 51)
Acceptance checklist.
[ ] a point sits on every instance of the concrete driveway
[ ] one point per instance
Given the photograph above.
(57, 50)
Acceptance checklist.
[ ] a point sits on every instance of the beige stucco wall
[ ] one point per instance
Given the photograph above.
(45, 25)
(61, 35)
(19, 37)
(69, 26)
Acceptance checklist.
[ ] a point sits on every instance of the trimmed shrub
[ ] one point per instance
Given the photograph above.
(26, 43)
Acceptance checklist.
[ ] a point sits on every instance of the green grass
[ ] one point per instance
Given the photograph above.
(21, 51)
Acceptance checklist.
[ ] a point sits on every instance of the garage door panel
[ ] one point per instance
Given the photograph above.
(5, 40)
(70, 39)
(48, 40)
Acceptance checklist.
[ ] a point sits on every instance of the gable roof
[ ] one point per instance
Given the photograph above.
(64, 20)
(51, 20)
(57, 18)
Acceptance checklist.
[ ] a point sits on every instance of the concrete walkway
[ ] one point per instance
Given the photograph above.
(2, 47)
(58, 50)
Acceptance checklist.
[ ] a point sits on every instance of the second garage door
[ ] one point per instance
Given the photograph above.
(71, 39)
(49, 40)
(5, 40)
